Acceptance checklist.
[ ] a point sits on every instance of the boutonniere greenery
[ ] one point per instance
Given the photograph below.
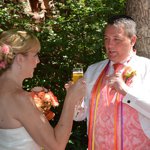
(128, 74)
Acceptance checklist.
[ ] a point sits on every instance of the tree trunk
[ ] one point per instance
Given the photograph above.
(139, 10)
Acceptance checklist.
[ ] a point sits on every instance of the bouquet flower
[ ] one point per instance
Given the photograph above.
(44, 100)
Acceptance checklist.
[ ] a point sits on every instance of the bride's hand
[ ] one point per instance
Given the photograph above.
(76, 90)
(39, 89)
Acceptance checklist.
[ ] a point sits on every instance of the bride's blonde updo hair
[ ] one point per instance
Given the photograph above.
(13, 42)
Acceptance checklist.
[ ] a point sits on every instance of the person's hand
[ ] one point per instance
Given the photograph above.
(116, 82)
(39, 89)
(76, 90)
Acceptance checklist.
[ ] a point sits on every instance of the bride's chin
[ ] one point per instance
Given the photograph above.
(30, 76)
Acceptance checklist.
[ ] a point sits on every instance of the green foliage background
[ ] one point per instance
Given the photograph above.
(73, 38)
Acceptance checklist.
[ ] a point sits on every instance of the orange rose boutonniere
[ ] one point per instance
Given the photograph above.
(128, 74)
(44, 100)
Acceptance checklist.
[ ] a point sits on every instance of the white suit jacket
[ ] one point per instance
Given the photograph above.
(137, 97)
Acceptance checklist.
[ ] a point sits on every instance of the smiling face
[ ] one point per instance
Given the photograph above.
(117, 43)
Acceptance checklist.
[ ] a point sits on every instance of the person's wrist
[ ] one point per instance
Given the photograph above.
(124, 90)
(70, 100)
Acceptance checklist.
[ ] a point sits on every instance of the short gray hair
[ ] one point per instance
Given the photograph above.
(127, 22)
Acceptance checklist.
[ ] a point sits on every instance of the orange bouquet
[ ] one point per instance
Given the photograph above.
(44, 100)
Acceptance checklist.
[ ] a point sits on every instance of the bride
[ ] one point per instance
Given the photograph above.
(22, 125)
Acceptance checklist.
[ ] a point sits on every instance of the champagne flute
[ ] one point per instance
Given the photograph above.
(76, 74)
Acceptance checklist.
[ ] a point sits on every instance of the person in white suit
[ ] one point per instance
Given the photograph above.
(117, 103)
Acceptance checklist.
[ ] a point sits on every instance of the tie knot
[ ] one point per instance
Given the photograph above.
(117, 67)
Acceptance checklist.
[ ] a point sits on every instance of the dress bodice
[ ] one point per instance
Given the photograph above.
(17, 139)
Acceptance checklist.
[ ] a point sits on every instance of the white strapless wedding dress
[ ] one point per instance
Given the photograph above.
(17, 139)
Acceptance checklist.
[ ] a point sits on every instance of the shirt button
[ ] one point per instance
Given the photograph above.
(128, 101)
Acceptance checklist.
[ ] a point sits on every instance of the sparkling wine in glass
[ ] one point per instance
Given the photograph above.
(76, 74)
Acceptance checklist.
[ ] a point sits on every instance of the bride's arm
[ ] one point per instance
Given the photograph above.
(39, 128)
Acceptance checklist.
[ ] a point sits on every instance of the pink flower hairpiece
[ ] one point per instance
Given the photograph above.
(2, 65)
(5, 49)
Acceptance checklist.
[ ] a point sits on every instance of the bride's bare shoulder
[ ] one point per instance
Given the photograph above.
(22, 96)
